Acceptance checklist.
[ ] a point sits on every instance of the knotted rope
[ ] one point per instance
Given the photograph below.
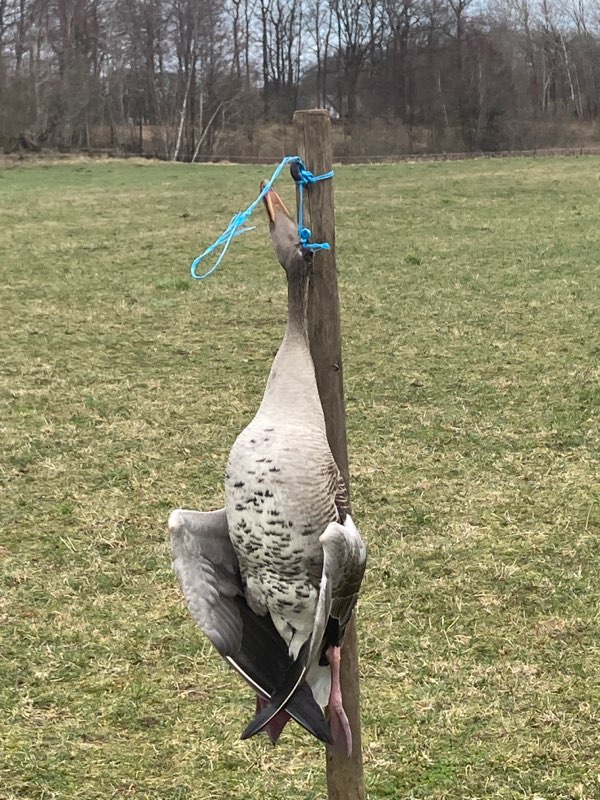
(303, 178)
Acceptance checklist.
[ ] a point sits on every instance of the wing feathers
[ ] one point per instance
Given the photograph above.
(344, 561)
(207, 569)
(281, 696)
(344, 558)
(262, 659)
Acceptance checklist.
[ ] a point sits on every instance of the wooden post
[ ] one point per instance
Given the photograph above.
(345, 780)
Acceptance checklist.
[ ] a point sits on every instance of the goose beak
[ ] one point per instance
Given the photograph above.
(274, 205)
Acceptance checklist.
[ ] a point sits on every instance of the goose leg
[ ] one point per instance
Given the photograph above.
(274, 727)
(338, 721)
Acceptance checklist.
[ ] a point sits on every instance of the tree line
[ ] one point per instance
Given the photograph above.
(194, 78)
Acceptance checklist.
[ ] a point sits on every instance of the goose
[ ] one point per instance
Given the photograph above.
(273, 577)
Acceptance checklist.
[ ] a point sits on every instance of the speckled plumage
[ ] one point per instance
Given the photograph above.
(280, 489)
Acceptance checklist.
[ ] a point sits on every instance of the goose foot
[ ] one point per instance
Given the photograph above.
(338, 721)
(274, 727)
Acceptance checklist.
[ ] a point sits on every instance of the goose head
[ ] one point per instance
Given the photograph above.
(294, 258)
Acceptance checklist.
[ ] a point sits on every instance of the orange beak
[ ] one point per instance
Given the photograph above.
(274, 204)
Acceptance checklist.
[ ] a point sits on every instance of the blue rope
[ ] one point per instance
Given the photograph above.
(306, 178)
(237, 226)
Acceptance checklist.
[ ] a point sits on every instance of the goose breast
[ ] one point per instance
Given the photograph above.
(280, 497)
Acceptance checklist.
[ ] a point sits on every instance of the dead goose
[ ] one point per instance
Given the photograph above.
(273, 577)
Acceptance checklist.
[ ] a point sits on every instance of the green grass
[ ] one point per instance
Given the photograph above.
(471, 326)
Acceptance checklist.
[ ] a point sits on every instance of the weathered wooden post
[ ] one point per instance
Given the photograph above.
(312, 128)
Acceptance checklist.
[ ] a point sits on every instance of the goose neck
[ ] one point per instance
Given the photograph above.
(297, 322)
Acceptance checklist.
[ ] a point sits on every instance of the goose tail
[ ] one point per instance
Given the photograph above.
(262, 660)
(294, 695)
(301, 707)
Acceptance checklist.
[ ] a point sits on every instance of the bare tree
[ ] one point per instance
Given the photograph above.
(358, 27)
(176, 78)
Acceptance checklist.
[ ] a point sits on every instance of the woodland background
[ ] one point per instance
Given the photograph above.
(202, 79)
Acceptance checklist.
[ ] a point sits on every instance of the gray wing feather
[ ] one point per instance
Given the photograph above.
(208, 573)
(346, 556)
(344, 561)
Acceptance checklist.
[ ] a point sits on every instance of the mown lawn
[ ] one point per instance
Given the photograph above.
(471, 321)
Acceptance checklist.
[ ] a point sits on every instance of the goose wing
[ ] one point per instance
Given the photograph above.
(344, 560)
(207, 570)
(208, 573)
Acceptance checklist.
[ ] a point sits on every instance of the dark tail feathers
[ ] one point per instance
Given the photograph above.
(262, 660)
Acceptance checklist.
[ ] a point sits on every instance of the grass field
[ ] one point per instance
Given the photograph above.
(470, 298)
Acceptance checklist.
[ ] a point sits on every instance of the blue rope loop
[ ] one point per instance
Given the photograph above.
(303, 177)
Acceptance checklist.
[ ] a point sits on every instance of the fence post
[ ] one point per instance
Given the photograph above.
(312, 129)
